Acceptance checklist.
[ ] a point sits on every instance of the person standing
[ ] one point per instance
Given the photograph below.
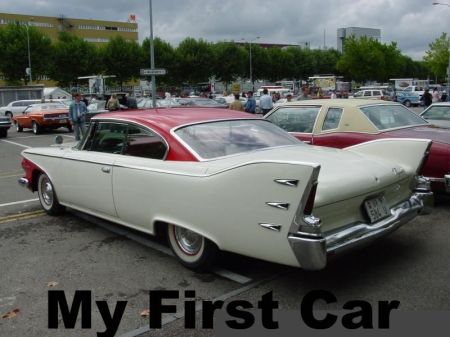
(444, 96)
(236, 104)
(77, 112)
(265, 103)
(426, 98)
(250, 105)
(113, 103)
(435, 96)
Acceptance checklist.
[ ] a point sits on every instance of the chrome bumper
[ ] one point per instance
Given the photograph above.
(312, 251)
(445, 181)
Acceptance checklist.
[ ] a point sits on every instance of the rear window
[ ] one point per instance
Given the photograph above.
(438, 113)
(391, 116)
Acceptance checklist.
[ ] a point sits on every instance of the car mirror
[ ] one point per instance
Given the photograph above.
(58, 140)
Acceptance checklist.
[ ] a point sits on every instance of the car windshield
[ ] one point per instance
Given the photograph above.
(218, 139)
(438, 113)
(385, 116)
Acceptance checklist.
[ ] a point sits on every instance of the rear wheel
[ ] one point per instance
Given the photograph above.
(18, 127)
(3, 133)
(191, 249)
(47, 196)
(36, 128)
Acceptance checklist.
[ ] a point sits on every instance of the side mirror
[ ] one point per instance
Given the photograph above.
(58, 140)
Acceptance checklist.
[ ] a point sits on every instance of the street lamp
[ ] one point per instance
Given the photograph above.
(448, 69)
(250, 61)
(29, 54)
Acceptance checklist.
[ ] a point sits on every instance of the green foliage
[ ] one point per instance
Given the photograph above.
(437, 57)
(164, 58)
(230, 61)
(14, 52)
(73, 57)
(194, 61)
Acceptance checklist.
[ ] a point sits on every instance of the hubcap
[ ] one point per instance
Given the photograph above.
(47, 191)
(188, 241)
(34, 127)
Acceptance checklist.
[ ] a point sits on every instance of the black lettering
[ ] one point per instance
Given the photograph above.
(247, 317)
(209, 307)
(267, 304)
(307, 311)
(365, 314)
(57, 298)
(384, 312)
(111, 323)
(189, 310)
(157, 308)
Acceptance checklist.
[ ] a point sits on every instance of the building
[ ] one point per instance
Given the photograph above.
(357, 32)
(95, 31)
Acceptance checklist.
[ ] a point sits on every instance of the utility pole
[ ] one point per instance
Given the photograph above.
(152, 56)
(448, 37)
(29, 54)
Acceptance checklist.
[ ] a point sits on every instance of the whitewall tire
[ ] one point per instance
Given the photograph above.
(47, 196)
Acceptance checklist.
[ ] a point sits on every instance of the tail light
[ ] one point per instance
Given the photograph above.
(310, 202)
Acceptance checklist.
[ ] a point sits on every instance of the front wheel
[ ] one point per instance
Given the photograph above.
(47, 196)
(18, 127)
(36, 128)
(407, 103)
(191, 249)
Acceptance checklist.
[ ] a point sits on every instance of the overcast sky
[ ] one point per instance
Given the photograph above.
(413, 24)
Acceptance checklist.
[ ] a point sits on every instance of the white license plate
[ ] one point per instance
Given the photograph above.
(377, 209)
(63, 121)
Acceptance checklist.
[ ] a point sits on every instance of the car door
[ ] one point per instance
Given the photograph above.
(297, 120)
(88, 169)
(23, 119)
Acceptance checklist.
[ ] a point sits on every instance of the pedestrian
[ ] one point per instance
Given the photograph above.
(289, 97)
(426, 98)
(333, 94)
(250, 105)
(265, 103)
(236, 104)
(77, 112)
(444, 96)
(435, 96)
(113, 103)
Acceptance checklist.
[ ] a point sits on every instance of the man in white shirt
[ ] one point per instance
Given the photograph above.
(265, 103)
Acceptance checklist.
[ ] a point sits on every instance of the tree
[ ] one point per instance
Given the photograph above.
(122, 58)
(437, 57)
(14, 52)
(73, 57)
(164, 58)
(194, 61)
(230, 61)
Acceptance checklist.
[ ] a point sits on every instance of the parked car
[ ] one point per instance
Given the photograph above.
(43, 116)
(200, 102)
(438, 114)
(218, 179)
(147, 103)
(97, 107)
(5, 124)
(371, 94)
(17, 107)
(407, 98)
(341, 123)
(418, 90)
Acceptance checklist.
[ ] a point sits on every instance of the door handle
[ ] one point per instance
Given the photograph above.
(106, 169)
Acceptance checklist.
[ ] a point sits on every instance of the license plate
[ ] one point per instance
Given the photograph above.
(63, 121)
(376, 209)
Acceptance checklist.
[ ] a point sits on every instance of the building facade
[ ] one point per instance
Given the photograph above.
(95, 31)
(357, 32)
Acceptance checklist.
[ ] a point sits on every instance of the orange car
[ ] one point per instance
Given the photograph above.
(43, 116)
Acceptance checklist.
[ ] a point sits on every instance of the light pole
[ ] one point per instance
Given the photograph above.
(152, 56)
(448, 37)
(29, 54)
(250, 61)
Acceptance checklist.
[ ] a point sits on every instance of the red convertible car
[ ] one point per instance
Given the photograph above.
(342, 123)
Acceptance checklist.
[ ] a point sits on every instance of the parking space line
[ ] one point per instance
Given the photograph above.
(11, 175)
(18, 202)
(21, 216)
(14, 143)
(225, 273)
(199, 307)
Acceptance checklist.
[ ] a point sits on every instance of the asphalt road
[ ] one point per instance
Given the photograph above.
(73, 252)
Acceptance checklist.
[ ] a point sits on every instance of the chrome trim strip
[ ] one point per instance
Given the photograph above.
(280, 205)
(287, 182)
(436, 180)
(273, 227)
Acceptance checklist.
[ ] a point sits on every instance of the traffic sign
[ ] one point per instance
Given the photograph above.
(147, 71)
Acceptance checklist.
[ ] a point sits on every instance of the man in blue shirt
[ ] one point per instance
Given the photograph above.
(77, 112)
(265, 102)
(250, 105)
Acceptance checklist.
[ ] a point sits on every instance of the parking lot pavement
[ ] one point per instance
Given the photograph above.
(73, 252)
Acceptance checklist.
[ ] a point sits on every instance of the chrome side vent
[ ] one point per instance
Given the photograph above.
(271, 226)
(280, 205)
(288, 182)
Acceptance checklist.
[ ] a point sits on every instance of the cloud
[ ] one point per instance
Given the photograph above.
(413, 24)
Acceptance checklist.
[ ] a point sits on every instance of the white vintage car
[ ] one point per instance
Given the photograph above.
(218, 179)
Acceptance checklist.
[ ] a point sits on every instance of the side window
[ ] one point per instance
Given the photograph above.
(295, 119)
(144, 143)
(358, 94)
(332, 119)
(367, 93)
(377, 93)
(107, 137)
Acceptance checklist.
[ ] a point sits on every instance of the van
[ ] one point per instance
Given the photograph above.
(273, 89)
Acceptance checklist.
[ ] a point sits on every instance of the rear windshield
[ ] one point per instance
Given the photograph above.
(391, 116)
(218, 139)
(438, 112)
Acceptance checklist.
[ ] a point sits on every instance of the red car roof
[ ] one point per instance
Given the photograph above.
(169, 118)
